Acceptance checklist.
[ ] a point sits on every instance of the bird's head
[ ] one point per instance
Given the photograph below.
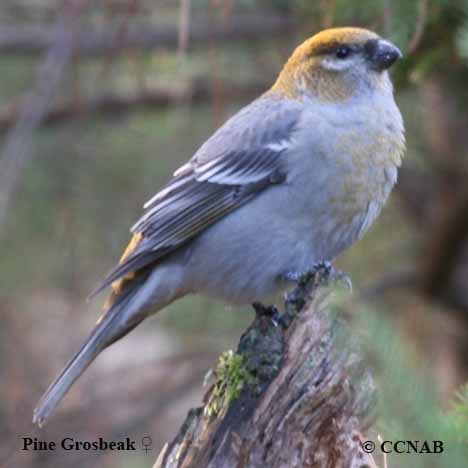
(336, 63)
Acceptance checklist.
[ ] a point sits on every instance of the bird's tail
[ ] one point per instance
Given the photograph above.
(113, 325)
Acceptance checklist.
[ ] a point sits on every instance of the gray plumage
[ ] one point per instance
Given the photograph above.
(291, 180)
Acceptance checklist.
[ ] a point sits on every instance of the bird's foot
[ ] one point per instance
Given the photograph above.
(321, 272)
(271, 312)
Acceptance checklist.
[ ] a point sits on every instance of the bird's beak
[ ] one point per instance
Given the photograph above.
(382, 54)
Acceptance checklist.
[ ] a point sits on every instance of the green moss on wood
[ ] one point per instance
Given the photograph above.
(232, 376)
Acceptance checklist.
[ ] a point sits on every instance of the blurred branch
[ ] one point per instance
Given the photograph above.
(17, 150)
(306, 397)
(420, 26)
(120, 36)
(31, 40)
(198, 91)
(445, 248)
(328, 8)
(446, 195)
(387, 17)
(184, 27)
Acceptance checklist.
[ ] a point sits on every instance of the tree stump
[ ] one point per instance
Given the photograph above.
(294, 395)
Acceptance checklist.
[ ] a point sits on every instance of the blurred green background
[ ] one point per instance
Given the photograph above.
(107, 100)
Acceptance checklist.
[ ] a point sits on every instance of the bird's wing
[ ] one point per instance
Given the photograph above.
(240, 160)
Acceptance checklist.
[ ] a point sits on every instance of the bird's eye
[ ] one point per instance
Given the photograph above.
(342, 52)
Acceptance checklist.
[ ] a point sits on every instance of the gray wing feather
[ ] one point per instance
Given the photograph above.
(241, 159)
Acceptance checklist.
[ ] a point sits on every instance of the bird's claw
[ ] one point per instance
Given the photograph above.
(320, 270)
(303, 277)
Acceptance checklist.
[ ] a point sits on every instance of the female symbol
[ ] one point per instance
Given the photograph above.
(146, 442)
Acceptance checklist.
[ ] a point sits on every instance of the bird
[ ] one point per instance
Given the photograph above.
(293, 179)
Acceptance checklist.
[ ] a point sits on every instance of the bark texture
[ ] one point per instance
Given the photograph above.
(304, 402)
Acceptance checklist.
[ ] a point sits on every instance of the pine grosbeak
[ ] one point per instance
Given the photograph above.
(293, 179)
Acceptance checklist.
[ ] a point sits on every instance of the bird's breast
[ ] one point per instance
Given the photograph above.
(350, 171)
(367, 156)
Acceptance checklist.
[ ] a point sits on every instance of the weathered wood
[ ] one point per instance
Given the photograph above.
(306, 396)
